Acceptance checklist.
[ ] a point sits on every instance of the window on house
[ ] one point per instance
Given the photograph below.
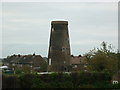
(36, 68)
(64, 62)
(13, 64)
(75, 66)
(33, 56)
(24, 58)
(31, 66)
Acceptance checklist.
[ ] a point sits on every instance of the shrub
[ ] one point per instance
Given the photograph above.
(26, 80)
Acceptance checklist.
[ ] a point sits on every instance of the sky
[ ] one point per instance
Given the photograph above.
(26, 25)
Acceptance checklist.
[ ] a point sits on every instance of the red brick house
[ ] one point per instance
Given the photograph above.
(30, 62)
(78, 63)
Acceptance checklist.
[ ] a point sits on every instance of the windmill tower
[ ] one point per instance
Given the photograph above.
(59, 47)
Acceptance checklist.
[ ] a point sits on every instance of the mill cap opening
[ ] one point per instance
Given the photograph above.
(59, 22)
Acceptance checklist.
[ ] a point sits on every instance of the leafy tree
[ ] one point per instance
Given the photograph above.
(103, 59)
(24, 69)
(44, 67)
(19, 71)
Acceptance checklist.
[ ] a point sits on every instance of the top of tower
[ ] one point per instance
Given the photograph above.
(59, 22)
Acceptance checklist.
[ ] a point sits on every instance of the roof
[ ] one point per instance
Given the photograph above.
(59, 22)
(23, 59)
(77, 60)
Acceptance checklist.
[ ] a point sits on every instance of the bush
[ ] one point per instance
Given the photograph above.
(26, 80)
(19, 71)
(59, 80)
(10, 81)
(86, 86)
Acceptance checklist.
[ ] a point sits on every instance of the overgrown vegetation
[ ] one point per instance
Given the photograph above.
(103, 59)
(60, 80)
(103, 64)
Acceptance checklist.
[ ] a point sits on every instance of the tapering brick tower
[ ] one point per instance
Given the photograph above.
(59, 48)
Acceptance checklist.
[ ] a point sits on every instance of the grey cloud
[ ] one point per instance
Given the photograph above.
(27, 25)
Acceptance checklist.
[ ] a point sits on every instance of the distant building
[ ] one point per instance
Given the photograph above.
(78, 63)
(59, 54)
(59, 47)
(30, 62)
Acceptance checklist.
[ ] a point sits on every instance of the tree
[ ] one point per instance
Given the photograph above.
(103, 59)
(44, 67)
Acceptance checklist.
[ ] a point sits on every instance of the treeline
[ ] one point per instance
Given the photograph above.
(59, 80)
(104, 59)
(103, 62)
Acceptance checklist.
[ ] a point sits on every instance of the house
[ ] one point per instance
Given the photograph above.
(28, 62)
(78, 63)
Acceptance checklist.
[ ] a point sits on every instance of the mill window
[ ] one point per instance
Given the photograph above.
(49, 61)
(64, 62)
(63, 49)
(50, 48)
(52, 29)
(65, 68)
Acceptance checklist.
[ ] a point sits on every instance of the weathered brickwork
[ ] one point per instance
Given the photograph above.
(59, 48)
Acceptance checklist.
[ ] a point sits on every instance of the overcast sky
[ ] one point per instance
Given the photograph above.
(26, 26)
